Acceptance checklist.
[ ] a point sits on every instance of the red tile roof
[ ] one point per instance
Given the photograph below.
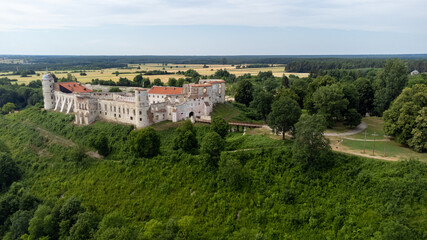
(165, 90)
(201, 85)
(74, 87)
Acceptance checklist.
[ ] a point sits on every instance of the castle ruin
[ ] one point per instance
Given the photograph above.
(141, 109)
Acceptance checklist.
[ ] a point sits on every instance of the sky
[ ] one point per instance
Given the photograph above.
(220, 27)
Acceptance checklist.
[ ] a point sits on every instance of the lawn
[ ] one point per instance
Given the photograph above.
(375, 125)
(338, 128)
(233, 112)
(392, 149)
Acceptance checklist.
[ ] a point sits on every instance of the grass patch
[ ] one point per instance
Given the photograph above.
(234, 112)
(375, 125)
(392, 149)
(339, 127)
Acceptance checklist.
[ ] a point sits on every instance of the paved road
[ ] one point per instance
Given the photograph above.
(358, 129)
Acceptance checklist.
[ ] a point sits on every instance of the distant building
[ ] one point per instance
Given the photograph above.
(414, 73)
(142, 108)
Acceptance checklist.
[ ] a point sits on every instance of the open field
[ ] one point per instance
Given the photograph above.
(11, 61)
(354, 144)
(107, 74)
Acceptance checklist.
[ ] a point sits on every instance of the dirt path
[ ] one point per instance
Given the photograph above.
(368, 140)
(338, 147)
(59, 140)
(362, 126)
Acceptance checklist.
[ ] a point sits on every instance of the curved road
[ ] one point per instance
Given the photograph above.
(358, 129)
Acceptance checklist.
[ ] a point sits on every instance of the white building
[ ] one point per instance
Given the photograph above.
(142, 108)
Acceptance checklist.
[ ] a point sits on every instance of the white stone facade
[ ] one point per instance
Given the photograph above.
(140, 109)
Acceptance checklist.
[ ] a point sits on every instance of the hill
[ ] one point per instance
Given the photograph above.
(264, 194)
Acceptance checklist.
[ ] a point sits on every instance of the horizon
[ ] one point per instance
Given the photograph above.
(206, 28)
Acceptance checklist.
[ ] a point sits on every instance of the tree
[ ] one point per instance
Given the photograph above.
(419, 134)
(8, 170)
(185, 138)
(8, 107)
(68, 215)
(310, 144)
(285, 81)
(157, 82)
(172, 82)
(85, 227)
(330, 102)
(19, 223)
(366, 95)
(285, 112)
(144, 142)
(100, 143)
(115, 89)
(114, 227)
(76, 154)
(231, 171)
(270, 85)
(220, 126)
(262, 103)
(244, 92)
(212, 145)
(300, 87)
(43, 223)
(392, 80)
(405, 118)
(352, 118)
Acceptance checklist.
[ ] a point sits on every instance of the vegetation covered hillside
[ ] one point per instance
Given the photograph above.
(253, 190)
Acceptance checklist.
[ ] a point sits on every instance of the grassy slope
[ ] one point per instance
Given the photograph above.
(232, 112)
(353, 198)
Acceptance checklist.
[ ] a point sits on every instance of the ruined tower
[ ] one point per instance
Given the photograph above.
(48, 96)
(142, 106)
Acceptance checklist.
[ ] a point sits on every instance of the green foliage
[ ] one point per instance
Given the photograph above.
(310, 145)
(352, 118)
(418, 79)
(277, 198)
(157, 82)
(144, 142)
(185, 137)
(43, 223)
(115, 89)
(77, 154)
(212, 145)
(8, 170)
(19, 223)
(114, 226)
(405, 120)
(285, 113)
(330, 101)
(220, 126)
(231, 171)
(390, 84)
(85, 227)
(172, 82)
(100, 143)
(366, 95)
(244, 92)
(262, 103)
(8, 107)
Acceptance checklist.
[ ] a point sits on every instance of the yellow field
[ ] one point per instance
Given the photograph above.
(107, 74)
(11, 60)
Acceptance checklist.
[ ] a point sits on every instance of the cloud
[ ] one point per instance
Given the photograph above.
(366, 15)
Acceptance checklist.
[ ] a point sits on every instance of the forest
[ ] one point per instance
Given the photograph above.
(296, 63)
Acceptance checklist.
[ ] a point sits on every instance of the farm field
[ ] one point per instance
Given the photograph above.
(107, 74)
